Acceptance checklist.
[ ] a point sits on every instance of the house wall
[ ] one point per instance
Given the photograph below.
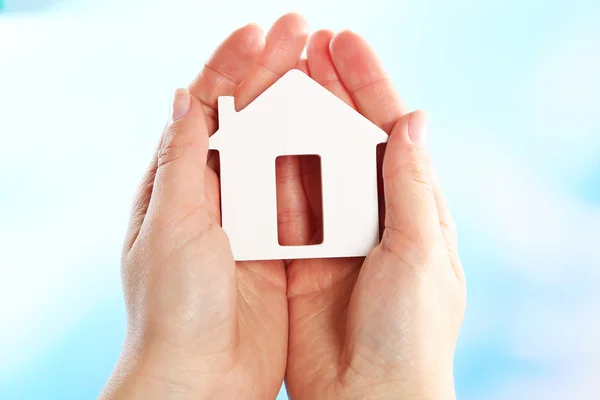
(350, 213)
(350, 203)
(249, 204)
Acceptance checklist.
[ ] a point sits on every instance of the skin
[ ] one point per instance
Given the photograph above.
(201, 326)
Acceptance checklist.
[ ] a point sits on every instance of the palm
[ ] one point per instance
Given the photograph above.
(319, 295)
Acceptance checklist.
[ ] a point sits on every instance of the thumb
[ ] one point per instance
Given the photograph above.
(411, 221)
(179, 182)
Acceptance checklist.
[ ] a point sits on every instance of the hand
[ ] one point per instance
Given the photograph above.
(385, 327)
(200, 325)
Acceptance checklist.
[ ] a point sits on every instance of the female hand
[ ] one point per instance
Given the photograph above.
(200, 325)
(384, 327)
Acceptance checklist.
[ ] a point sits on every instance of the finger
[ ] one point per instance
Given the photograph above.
(179, 184)
(323, 71)
(295, 220)
(141, 201)
(321, 66)
(365, 79)
(227, 68)
(302, 65)
(447, 225)
(283, 48)
(212, 193)
(411, 221)
(284, 45)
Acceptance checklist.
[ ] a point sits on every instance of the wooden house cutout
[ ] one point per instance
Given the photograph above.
(297, 116)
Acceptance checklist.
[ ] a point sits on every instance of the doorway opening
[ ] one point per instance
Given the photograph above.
(299, 190)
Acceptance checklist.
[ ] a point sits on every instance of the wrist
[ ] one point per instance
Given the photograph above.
(434, 386)
(395, 392)
(150, 376)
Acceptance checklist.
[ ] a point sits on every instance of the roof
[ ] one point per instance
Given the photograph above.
(296, 111)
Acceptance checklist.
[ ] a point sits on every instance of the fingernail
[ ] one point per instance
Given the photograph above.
(418, 128)
(181, 104)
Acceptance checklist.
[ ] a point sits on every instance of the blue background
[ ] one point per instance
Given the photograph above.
(512, 88)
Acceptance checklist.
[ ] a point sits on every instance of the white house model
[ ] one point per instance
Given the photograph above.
(297, 116)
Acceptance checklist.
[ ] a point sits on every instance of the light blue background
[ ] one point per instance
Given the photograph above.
(513, 91)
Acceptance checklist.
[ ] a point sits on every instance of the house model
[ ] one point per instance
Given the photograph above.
(297, 116)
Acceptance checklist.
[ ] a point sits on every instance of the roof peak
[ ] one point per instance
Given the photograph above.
(289, 85)
(293, 77)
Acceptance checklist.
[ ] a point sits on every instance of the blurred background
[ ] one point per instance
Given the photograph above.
(513, 91)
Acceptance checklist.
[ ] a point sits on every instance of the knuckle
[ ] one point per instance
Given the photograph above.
(291, 215)
(410, 246)
(181, 220)
(412, 164)
(171, 151)
(177, 143)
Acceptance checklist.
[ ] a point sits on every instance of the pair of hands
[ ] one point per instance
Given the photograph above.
(202, 326)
